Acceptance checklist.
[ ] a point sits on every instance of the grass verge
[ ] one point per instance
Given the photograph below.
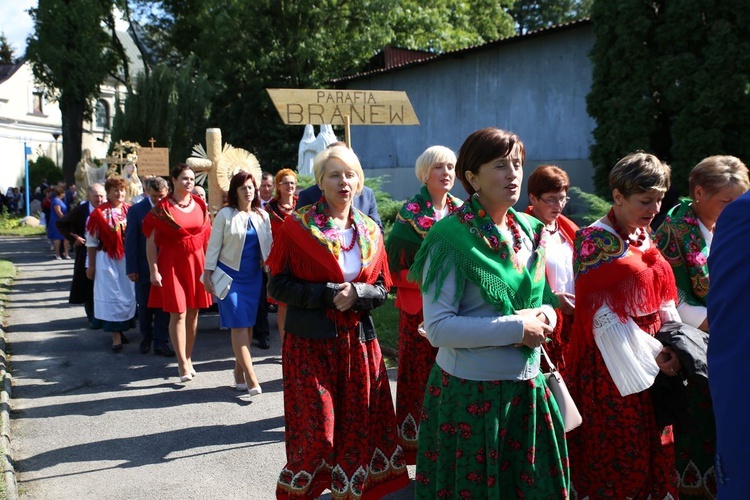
(11, 226)
(386, 324)
(7, 272)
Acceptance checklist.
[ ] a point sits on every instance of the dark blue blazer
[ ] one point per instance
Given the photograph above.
(135, 241)
(729, 348)
(364, 202)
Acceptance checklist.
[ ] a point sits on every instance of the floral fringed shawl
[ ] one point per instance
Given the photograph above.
(109, 226)
(308, 245)
(470, 244)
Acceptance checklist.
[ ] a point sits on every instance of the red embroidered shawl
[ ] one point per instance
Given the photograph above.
(611, 271)
(307, 247)
(109, 228)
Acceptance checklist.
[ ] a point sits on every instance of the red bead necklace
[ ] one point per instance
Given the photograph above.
(625, 236)
(354, 236)
(186, 205)
(513, 227)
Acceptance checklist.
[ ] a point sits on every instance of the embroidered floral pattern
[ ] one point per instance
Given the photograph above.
(595, 246)
(419, 212)
(680, 240)
(318, 220)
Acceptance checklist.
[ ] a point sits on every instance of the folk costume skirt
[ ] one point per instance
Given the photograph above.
(490, 440)
(340, 423)
(618, 451)
(416, 356)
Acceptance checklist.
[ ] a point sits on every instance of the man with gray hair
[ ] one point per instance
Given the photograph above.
(154, 323)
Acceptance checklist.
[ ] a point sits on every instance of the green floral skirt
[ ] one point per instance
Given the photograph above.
(490, 440)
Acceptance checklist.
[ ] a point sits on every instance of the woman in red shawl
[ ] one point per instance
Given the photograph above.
(329, 266)
(548, 194)
(624, 291)
(436, 170)
(278, 210)
(114, 293)
(177, 229)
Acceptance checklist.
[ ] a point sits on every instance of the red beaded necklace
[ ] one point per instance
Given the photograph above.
(557, 228)
(625, 236)
(513, 227)
(190, 201)
(354, 235)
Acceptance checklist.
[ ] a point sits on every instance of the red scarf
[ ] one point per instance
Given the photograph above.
(109, 228)
(305, 247)
(625, 278)
(167, 229)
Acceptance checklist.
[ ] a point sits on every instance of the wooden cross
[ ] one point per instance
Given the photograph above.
(152, 141)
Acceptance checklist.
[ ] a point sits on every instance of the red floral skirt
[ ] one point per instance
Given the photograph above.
(415, 359)
(618, 451)
(340, 423)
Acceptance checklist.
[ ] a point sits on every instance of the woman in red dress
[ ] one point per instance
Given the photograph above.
(178, 229)
(278, 210)
(548, 194)
(435, 169)
(624, 291)
(328, 264)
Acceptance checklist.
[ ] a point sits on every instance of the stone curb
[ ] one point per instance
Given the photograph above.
(5, 394)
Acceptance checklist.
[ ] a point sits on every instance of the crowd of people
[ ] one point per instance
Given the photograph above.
(484, 292)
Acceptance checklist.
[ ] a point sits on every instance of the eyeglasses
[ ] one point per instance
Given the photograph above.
(556, 201)
(288, 183)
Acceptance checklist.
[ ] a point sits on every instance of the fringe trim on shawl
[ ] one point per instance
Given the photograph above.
(642, 291)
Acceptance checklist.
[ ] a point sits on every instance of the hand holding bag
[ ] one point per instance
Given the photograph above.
(570, 414)
(221, 282)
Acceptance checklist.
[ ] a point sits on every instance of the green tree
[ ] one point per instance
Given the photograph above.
(71, 54)
(674, 81)
(6, 50)
(246, 47)
(531, 15)
(171, 106)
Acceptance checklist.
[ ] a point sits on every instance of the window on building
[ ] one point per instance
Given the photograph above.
(37, 102)
(101, 114)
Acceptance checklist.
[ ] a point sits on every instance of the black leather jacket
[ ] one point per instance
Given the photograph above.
(307, 303)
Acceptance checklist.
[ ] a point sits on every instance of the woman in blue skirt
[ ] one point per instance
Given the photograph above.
(239, 245)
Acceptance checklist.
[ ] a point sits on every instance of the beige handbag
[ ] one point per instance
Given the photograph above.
(570, 414)
(221, 282)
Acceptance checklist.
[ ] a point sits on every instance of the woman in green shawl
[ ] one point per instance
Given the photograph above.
(435, 169)
(685, 241)
(490, 428)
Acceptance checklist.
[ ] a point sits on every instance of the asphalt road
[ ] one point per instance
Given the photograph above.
(91, 424)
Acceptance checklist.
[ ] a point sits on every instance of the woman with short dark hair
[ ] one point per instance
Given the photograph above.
(625, 290)
(548, 193)
(490, 428)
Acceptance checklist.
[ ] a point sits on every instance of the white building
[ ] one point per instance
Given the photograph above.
(26, 117)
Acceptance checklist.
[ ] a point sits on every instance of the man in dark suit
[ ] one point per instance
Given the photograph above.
(73, 226)
(154, 323)
(728, 303)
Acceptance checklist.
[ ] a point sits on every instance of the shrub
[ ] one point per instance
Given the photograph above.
(43, 168)
(586, 208)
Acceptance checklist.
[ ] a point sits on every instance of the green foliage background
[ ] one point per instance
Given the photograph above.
(674, 80)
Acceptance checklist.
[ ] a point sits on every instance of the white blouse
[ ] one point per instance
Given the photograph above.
(351, 261)
(560, 264)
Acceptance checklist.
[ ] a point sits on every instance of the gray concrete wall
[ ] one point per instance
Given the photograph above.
(535, 87)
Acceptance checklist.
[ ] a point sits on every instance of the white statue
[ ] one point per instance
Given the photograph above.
(87, 173)
(310, 146)
(135, 187)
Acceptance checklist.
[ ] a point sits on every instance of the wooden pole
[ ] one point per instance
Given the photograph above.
(348, 131)
(213, 150)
